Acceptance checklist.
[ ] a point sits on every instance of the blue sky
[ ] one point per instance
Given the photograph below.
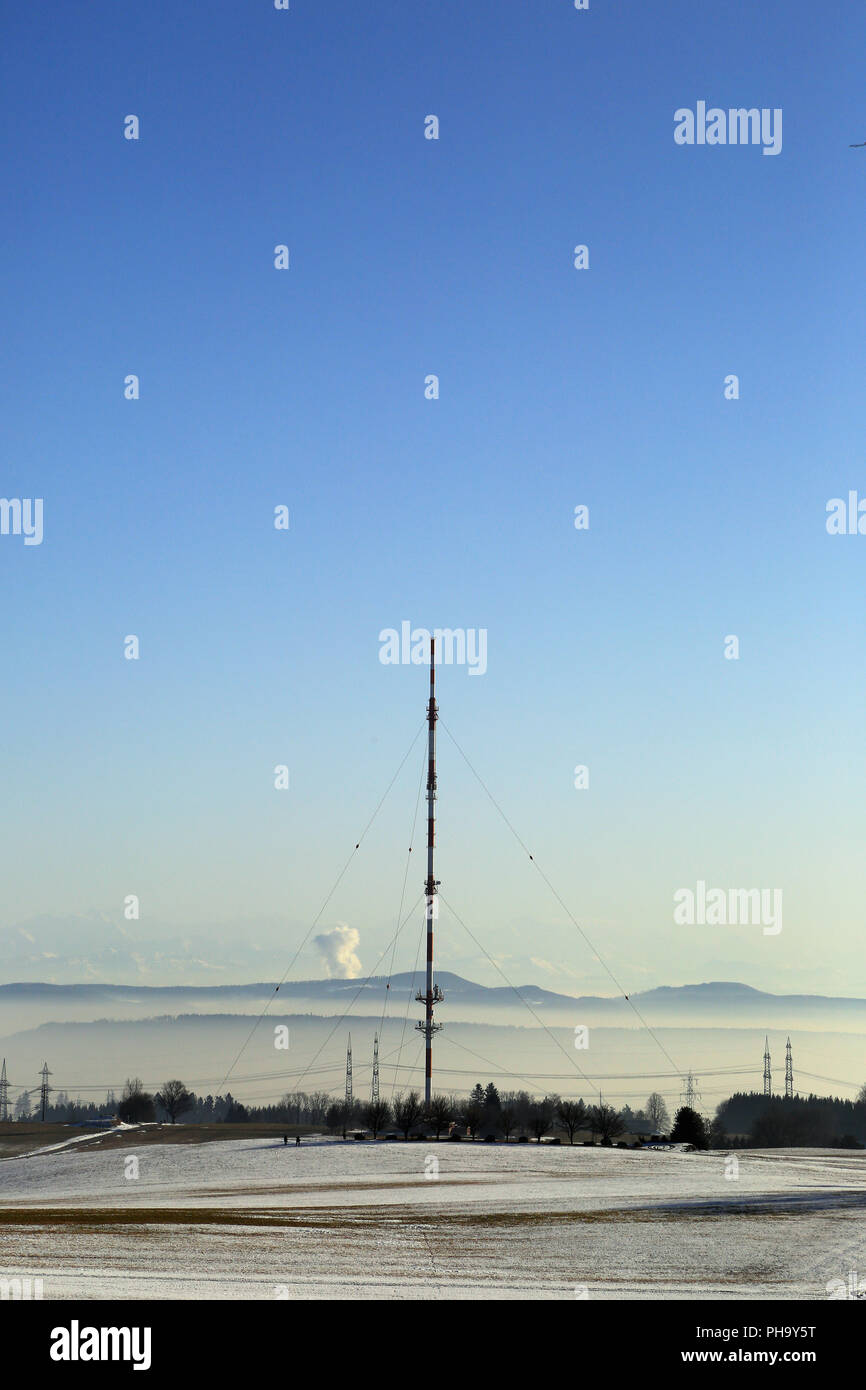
(558, 387)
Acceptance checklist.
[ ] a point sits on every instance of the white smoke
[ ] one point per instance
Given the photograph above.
(339, 946)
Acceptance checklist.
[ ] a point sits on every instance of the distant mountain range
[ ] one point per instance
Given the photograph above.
(70, 964)
(716, 1004)
(96, 1035)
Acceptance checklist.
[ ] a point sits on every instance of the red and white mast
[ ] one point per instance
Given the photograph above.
(433, 994)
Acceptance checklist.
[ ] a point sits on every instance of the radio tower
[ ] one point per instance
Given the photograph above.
(433, 994)
(45, 1088)
(789, 1073)
(374, 1093)
(768, 1083)
(4, 1095)
(349, 1096)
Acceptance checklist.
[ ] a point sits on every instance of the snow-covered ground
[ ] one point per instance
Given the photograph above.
(86, 1138)
(395, 1220)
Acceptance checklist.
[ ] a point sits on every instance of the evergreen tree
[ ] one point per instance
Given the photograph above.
(492, 1103)
(716, 1136)
(689, 1128)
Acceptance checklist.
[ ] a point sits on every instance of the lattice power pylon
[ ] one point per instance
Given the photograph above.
(4, 1095)
(789, 1072)
(349, 1092)
(374, 1090)
(44, 1088)
(768, 1078)
(691, 1095)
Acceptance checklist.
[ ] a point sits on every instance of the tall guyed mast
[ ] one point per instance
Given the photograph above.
(433, 994)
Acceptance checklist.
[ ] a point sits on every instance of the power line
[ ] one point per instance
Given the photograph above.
(421, 935)
(403, 896)
(318, 915)
(486, 1060)
(562, 904)
(496, 966)
(363, 985)
(361, 1067)
(833, 1080)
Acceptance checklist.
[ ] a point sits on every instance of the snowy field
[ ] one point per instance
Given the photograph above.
(255, 1219)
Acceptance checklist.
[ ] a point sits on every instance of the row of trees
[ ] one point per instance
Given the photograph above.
(743, 1120)
(485, 1110)
(510, 1114)
(173, 1102)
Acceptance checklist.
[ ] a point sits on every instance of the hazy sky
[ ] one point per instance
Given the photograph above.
(558, 387)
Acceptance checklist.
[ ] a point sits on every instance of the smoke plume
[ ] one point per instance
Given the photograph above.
(338, 947)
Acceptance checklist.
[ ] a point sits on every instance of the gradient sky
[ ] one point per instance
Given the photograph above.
(558, 387)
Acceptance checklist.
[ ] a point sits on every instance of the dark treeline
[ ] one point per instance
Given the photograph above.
(139, 1106)
(62, 1110)
(802, 1121)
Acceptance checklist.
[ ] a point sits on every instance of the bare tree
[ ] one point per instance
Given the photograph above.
(318, 1104)
(541, 1118)
(338, 1117)
(377, 1114)
(296, 1103)
(657, 1113)
(507, 1121)
(441, 1113)
(136, 1104)
(473, 1114)
(572, 1116)
(174, 1099)
(407, 1112)
(523, 1103)
(606, 1121)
